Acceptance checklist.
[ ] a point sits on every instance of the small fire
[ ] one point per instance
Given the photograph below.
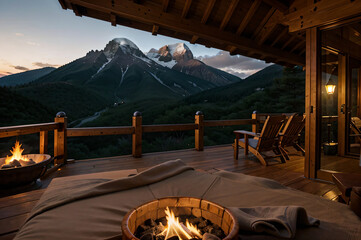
(17, 155)
(175, 228)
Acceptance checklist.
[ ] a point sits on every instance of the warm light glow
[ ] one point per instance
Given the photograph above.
(17, 154)
(330, 88)
(175, 228)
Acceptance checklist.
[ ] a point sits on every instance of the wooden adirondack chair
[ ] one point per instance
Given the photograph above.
(290, 134)
(267, 140)
(355, 126)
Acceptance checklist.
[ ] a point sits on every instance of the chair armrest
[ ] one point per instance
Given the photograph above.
(246, 133)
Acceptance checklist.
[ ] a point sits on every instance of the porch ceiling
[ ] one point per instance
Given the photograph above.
(253, 28)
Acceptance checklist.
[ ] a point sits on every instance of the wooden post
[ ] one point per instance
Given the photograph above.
(137, 135)
(342, 105)
(312, 102)
(255, 126)
(60, 135)
(43, 144)
(199, 131)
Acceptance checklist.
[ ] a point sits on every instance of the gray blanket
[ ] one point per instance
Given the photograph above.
(92, 208)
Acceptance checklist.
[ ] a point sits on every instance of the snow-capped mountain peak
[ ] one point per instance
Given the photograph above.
(127, 47)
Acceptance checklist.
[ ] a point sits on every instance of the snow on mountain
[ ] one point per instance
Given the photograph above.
(125, 42)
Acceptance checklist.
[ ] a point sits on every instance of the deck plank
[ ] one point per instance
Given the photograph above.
(14, 208)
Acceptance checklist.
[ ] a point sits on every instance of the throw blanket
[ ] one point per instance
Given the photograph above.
(279, 221)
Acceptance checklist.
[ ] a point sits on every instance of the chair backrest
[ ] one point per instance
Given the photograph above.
(269, 134)
(355, 126)
(292, 129)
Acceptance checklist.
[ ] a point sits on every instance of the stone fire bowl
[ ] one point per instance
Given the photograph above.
(13, 177)
(180, 206)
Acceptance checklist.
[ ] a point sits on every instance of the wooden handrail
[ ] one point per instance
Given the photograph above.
(61, 132)
(169, 127)
(100, 131)
(233, 122)
(28, 129)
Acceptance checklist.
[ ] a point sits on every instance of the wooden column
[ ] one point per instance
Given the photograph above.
(255, 126)
(60, 137)
(199, 131)
(312, 102)
(137, 135)
(342, 107)
(43, 144)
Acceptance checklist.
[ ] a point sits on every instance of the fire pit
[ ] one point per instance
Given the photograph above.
(180, 218)
(21, 169)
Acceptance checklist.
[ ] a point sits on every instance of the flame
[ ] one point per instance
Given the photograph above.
(17, 154)
(175, 228)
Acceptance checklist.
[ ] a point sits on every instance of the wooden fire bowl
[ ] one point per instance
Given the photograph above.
(180, 206)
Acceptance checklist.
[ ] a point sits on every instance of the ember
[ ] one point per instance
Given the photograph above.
(17, 159)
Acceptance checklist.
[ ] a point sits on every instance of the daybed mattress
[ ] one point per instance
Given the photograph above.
(92, 207)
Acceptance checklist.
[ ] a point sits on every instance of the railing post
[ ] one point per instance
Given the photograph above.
(60, 135)
(43, 144)
(199, 131)
(137, 135)
(255, 126)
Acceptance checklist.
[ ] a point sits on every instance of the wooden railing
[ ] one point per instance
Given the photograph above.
(62, 132)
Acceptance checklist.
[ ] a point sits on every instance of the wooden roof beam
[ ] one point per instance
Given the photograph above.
(155, 30)
(268, 27)
(229, 14)
(298, 45)
(288, 42)
(194, 39)
(251, 11)
(208, 11)
(232, 50)
(310, 14)
(165, 4)
(136, 13)
(62, 3)
(277, 4)
(186, 7)
(264, 21)
(284, 32)
(113, 19)
(76, 10)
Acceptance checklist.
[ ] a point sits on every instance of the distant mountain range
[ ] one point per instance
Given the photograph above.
(24, 77)
(121, 73)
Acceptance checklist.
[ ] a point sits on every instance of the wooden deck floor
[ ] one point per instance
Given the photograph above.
(14, 208)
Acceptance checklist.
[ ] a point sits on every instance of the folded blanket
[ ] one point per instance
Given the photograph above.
(279, 221)
(61, 195)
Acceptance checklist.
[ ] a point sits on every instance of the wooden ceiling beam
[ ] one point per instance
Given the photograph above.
(113, 19)
(264, 21)
(277, 4)
(309, 14)
(62, 4)
(208, 11)
(298, 45)
(155, 30)
(283, 33)
(194, 39)
(251, 11)
(76, 10)
(229, 13)
(186, 7)
(232, 50)
(291, 39)
(141, 14)
(268, 27)
(165, 4)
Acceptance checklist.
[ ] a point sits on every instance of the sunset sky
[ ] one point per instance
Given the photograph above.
(39, 33)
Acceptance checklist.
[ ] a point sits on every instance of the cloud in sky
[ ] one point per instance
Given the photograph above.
(40, 64)
(240, 66)
(33, 43)
(21, 68)
(19, 34)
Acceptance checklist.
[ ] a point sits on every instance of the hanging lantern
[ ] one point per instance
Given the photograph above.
(330, 86)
